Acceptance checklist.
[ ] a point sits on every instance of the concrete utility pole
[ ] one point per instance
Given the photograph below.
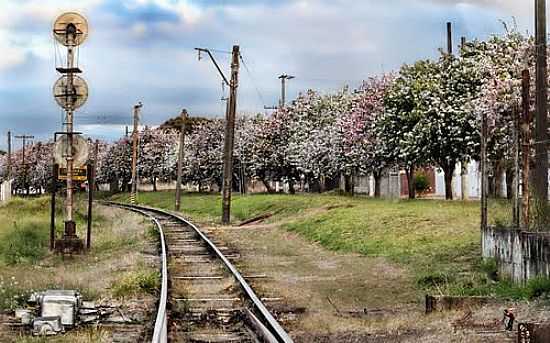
(231, 109)
(180, 160)
(9, 155)
(230, 137)
(24, 138)
(449, 38)
(283, 79)
(541, 124)
(135, 137)
(526, 147)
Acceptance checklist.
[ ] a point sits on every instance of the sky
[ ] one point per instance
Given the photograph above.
(143, 50)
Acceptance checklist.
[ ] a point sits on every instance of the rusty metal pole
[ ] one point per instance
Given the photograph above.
(483, 170)
(541, 124)
(55, 172)
(180, 160)
(526, 147)
(517, 142)
(230, 138)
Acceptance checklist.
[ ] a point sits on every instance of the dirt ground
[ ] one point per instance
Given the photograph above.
(321, 296)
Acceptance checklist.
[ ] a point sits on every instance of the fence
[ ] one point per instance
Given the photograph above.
(519, 255)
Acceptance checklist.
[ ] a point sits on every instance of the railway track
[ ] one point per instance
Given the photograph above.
(203, 296)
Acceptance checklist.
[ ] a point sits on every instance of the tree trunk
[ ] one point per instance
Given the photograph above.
(200, 186)
(154, 183)
(410, 181)
(509, 183)
(448, 170)
(291, 189)
(270, 189)
(322, 184)
(377, 178)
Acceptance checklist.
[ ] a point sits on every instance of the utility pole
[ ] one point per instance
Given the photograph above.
(231, 109)
(9, 155)
(449, 38)
(24, 138)
(135, 137)
(180, 160)
(483, 170)
(526, 147)
(283, 79)
(230, 137)
(126, 133)
(541, 124)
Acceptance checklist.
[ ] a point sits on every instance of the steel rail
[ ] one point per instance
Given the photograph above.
(269, 322)
(160, 332)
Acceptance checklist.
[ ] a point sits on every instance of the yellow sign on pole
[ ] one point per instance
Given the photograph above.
(79, 174)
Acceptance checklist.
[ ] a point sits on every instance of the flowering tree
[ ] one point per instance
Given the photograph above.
(158, 155)
(399, 129)
(360, 144)
(204, 153)
(500, 62)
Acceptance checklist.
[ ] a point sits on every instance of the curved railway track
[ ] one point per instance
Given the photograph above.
(203, 296)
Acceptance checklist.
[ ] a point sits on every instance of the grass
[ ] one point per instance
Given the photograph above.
(438, 242)
(26, 263)
(136, 282)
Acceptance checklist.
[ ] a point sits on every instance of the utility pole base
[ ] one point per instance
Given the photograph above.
(70, 244)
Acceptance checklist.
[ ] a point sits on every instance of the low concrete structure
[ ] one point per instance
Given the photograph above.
(519, 255)
(5, 190)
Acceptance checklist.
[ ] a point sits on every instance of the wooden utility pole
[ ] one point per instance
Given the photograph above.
(541, 125)
(230, 137)
(449, 38)
(9, 155)
(526, 119)
(180, 160)
(91, 188)
(135, 137)
(24, 138)
(283, 79)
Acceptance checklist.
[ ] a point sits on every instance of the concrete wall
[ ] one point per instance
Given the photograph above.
(519, 255)
(5, 191)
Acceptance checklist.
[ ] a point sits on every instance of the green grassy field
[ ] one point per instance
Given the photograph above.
(437, 241)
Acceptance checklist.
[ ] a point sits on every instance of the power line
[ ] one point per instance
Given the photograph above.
(253, 81)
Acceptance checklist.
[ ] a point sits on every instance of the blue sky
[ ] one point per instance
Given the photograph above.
(144, 50)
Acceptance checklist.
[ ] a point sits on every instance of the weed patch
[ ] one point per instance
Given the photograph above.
(25, 242)
(133, 283)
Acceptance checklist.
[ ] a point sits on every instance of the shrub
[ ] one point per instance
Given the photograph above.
(421, 183)
(489, 267)
(11, 294)
(135, 283)
(538, 287)
(26, 242)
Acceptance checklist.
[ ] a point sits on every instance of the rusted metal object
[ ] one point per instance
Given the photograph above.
(534, 332)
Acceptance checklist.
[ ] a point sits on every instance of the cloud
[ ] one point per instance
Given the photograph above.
(143, 50)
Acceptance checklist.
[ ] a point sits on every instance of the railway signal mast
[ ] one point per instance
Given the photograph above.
(70, 92)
